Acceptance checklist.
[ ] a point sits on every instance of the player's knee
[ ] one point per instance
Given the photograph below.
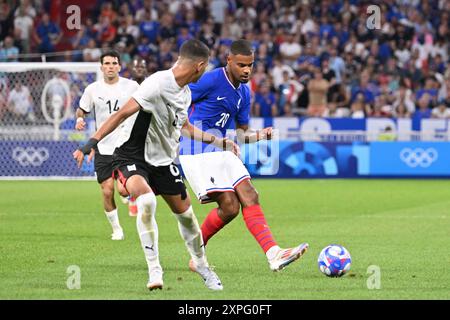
(108, 192)
(230, 207)
(250, 199)
(146, 204)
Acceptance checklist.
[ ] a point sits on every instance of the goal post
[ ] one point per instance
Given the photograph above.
(37, 111)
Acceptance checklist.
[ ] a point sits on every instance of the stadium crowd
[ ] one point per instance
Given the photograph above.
(326, 58)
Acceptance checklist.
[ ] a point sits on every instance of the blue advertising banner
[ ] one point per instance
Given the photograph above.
(41, 159)
(290, 159)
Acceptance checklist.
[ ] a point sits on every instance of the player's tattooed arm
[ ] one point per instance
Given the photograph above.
(197, 134)
(247, 135)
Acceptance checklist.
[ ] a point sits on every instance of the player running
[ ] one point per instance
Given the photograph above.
(144, 162)
(138, 74)
(104, 98)
(219, 98)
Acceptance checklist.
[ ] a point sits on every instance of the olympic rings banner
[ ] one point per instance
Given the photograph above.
(284, 159)
(350, 160)
(41, 159)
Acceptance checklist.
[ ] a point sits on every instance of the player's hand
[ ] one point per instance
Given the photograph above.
(265, 134)
(80, 124)
(88, 148)
(229, 145)
(78, 155)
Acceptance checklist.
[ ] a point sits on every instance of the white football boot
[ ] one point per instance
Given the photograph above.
(284, 257)
(211, 279)
(155, 279)
(117, 234)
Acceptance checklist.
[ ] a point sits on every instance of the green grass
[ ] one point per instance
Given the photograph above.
(401, 226)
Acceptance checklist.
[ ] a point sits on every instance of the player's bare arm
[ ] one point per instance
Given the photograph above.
(247, 135)
(80, 123)
(197, 134)
(108, 126)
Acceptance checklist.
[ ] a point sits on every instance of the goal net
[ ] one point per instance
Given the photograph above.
(37, 110)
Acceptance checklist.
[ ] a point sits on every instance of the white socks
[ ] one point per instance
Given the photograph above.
(113, 218)
(191, 233)
(148, 229)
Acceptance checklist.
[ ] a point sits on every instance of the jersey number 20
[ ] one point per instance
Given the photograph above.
(223, 119)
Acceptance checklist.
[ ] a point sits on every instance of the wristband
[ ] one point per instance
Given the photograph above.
(86, 149)
(79, 119)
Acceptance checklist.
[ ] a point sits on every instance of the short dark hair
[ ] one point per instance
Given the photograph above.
(242, 47)
(194, 49)
(110, 53)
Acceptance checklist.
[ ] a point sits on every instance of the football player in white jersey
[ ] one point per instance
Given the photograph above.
(144, 163)
(104, 98)
(138, 73)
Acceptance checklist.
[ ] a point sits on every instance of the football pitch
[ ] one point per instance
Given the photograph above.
(54, 233)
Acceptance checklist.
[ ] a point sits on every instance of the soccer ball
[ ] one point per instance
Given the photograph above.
(334, 261)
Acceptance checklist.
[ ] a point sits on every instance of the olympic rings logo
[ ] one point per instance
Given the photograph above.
(418, 157)
(30, 156)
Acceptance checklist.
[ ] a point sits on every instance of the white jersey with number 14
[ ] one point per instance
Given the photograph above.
(103, 100)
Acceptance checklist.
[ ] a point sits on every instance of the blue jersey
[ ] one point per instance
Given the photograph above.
(217, 105)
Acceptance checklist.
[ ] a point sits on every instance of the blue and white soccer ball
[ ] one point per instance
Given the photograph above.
(334, 260)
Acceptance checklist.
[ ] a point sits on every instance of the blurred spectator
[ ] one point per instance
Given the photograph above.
(423, 110)
(359, 107)
(218, 11)
(193, 24)
(108, 11)
(129, 27)
(27, 8)
(258, 77)
(167, 28)
(8, 52)
(147, 12)
(365, 87)
(183, 35)
(207, 36)
(125, 57)
(317, 90)
(47, 34)
(91, 53)
(123, 36)
(440, 111)
(338, 102)
(288, 91)
(337, 64)
(105, 30)
(404, 96)
(290, 49)
(264, 104)
(234, 27)
(20, 103)
(429, 88)
(23, 28)
(401, 111)
(381, 108)
(3, 97)
(413, 42)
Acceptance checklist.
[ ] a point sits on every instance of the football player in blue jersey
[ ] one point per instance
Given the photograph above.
(221, 99)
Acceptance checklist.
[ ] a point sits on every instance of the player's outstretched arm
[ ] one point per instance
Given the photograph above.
(108, 126)
(195, 133)
(246, 135)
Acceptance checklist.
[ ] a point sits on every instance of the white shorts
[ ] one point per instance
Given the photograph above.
(213, 172)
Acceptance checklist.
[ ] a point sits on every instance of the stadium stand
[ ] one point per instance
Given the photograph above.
(400, 69)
